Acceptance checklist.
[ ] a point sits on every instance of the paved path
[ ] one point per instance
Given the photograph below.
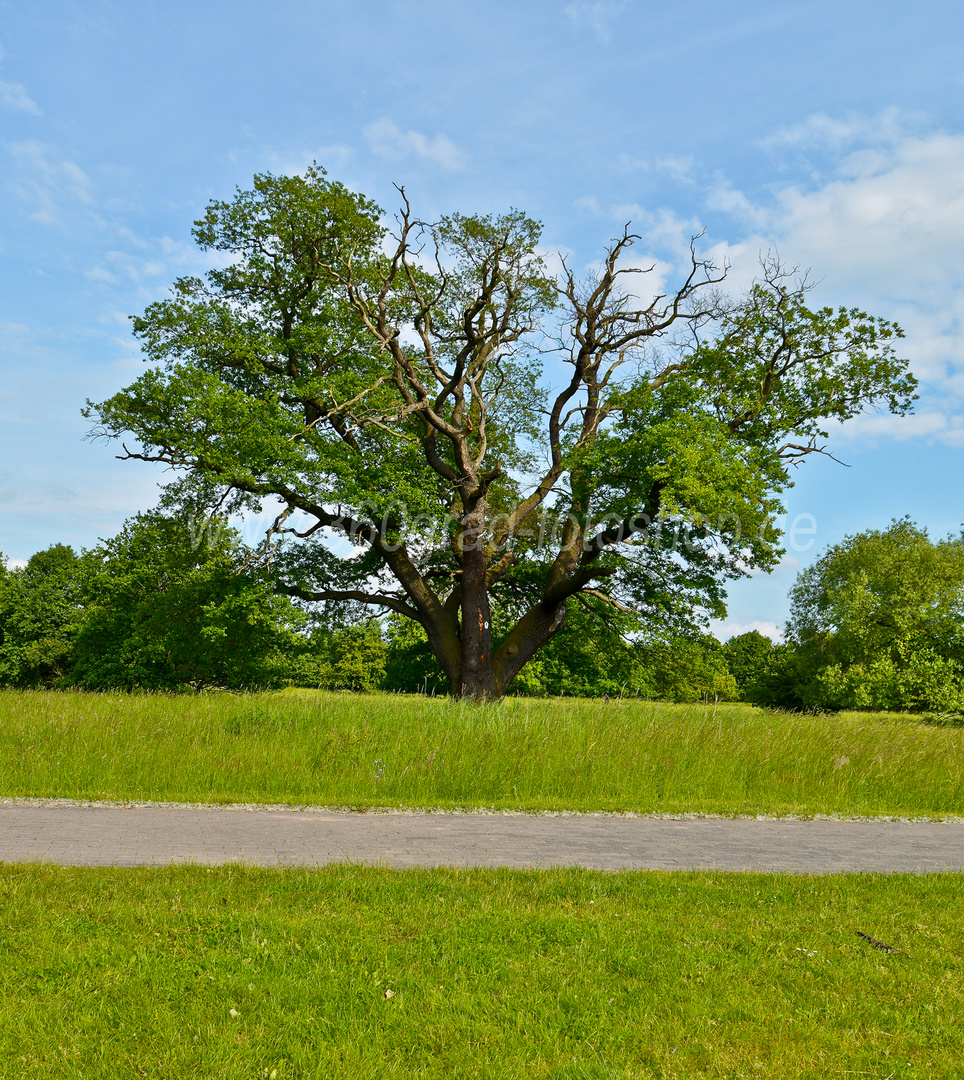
(154, 835)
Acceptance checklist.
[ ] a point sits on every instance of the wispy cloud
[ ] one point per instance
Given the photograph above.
(334, 157)
(387, 140)
(891, 125)
(148, 263)
(59, 492)
(932, 426)
(723, 197)
(589, 203)
(13, 335)
(880, 223)
(46, 180)
(680, 168)
(14, 96)
(663, 229)
(877, 216)
(597, 15)
(884, 208)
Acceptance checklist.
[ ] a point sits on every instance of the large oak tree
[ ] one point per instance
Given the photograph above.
(461, 437)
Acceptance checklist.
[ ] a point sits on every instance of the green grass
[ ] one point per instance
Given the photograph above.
(245, 973)
(381, 750)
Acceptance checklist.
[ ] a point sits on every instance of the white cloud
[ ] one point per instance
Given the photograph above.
(333, 158)
(15, 96)
(879, 222)
(680, 168)
(822, 131)
(555, 258)
(156, 262)
(892, 219)
(725, 198)
(387, 140)
(669, 232)
(98, 273)
(598, 15)
(630, 213)
(114, 317)
(647, 278)
(46, 180)
(13, 335)
(590, 203)
(630, 163)
(886, 218)
(886, 233)
(663, 229)
(928, 425)
(59, 492)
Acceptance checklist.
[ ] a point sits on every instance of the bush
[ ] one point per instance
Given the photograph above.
(41, 612)
(878, 623)
(350, 658)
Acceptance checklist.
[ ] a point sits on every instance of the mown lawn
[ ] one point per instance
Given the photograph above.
(357, 972)
(307, 747)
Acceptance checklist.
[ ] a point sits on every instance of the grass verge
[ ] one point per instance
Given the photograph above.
(318, 748)
(355, 972)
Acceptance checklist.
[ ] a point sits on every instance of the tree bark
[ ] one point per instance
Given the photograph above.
(530, 633)
(477, 676)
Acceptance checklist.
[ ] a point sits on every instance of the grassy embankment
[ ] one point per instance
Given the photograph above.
(234, 972)
(243, 973)
(382, 750)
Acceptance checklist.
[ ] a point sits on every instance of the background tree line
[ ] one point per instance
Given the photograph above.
(875, 623)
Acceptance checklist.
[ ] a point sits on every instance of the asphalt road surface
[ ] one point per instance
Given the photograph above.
(107, 835)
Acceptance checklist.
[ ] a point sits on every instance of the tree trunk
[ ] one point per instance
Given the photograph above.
(477, 679)
(476, 670)
(480, 672)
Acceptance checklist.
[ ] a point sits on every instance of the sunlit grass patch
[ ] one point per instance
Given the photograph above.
(356, 972)
(387, 750)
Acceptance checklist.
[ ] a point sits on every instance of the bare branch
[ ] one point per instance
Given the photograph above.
(383, 600)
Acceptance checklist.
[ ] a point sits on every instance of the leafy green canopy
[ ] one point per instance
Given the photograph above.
(168, 606)
(385, 392)
(878, 622)
(162, 605)
(41, 607)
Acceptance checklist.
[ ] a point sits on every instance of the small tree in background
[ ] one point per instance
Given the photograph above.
(41, 611)
(878, 622)
(343, 658)
(591, 656)
(170, 605)
(687, 668)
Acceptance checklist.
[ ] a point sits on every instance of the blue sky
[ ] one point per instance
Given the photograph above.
(830, 132)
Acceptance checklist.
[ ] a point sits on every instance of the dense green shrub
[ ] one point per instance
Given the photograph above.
(878, 623)
(348, 658)
(168, 606)
(41, 611)
(687, 668)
